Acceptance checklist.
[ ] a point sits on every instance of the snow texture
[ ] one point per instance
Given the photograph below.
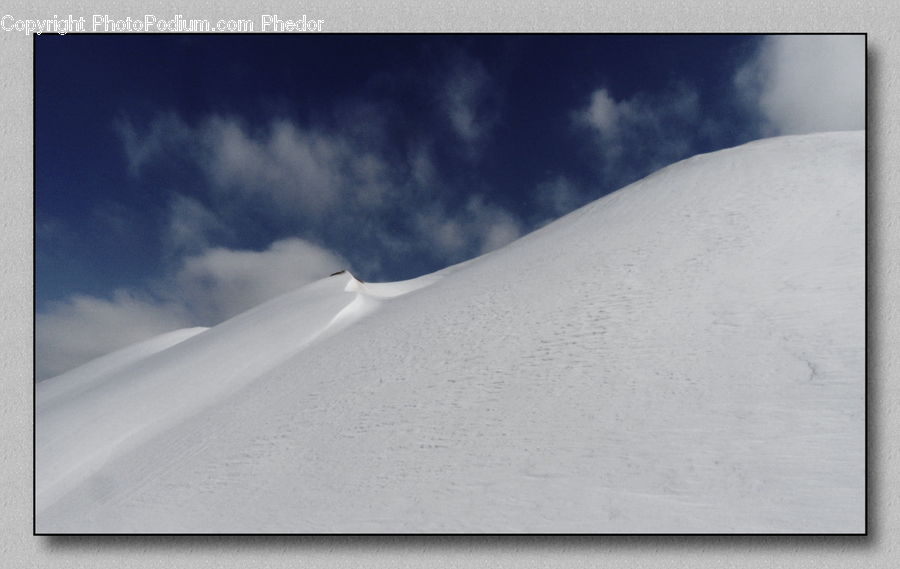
(684, 355)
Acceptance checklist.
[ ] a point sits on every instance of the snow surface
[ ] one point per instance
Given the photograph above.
(684, 355)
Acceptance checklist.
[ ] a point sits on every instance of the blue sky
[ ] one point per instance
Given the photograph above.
(181, 179)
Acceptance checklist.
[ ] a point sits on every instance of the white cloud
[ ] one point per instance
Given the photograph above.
(558, 197)
(468, 104)
(294, 168)
(220, 282)
(294, 172)
(206, 289)
(189, 225)
(642, 133)
(491, 226)
(370, 186)
(421, 167)
(807, 83)
(476, 228)
(83, 328)
(166, 132)
(445, 236)
(502, 230)
(603, 112)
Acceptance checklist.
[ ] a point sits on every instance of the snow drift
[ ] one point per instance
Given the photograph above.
(684, 355)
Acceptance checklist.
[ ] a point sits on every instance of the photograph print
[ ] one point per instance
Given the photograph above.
(450, 284)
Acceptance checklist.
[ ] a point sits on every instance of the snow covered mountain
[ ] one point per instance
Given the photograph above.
(684, 355)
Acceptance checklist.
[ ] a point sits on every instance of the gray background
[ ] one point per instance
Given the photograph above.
(18, 548)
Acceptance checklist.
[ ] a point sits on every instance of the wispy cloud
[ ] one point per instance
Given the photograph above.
(165, 133)
(806, 83)
(639, 134)
(330, 184)
(189, 225)
(557, 197)
(475, 228)
(499, 230)
(469, 103)
(293, 168)
(305, 171)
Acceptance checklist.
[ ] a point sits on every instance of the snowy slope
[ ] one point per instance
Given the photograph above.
(684, 355)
